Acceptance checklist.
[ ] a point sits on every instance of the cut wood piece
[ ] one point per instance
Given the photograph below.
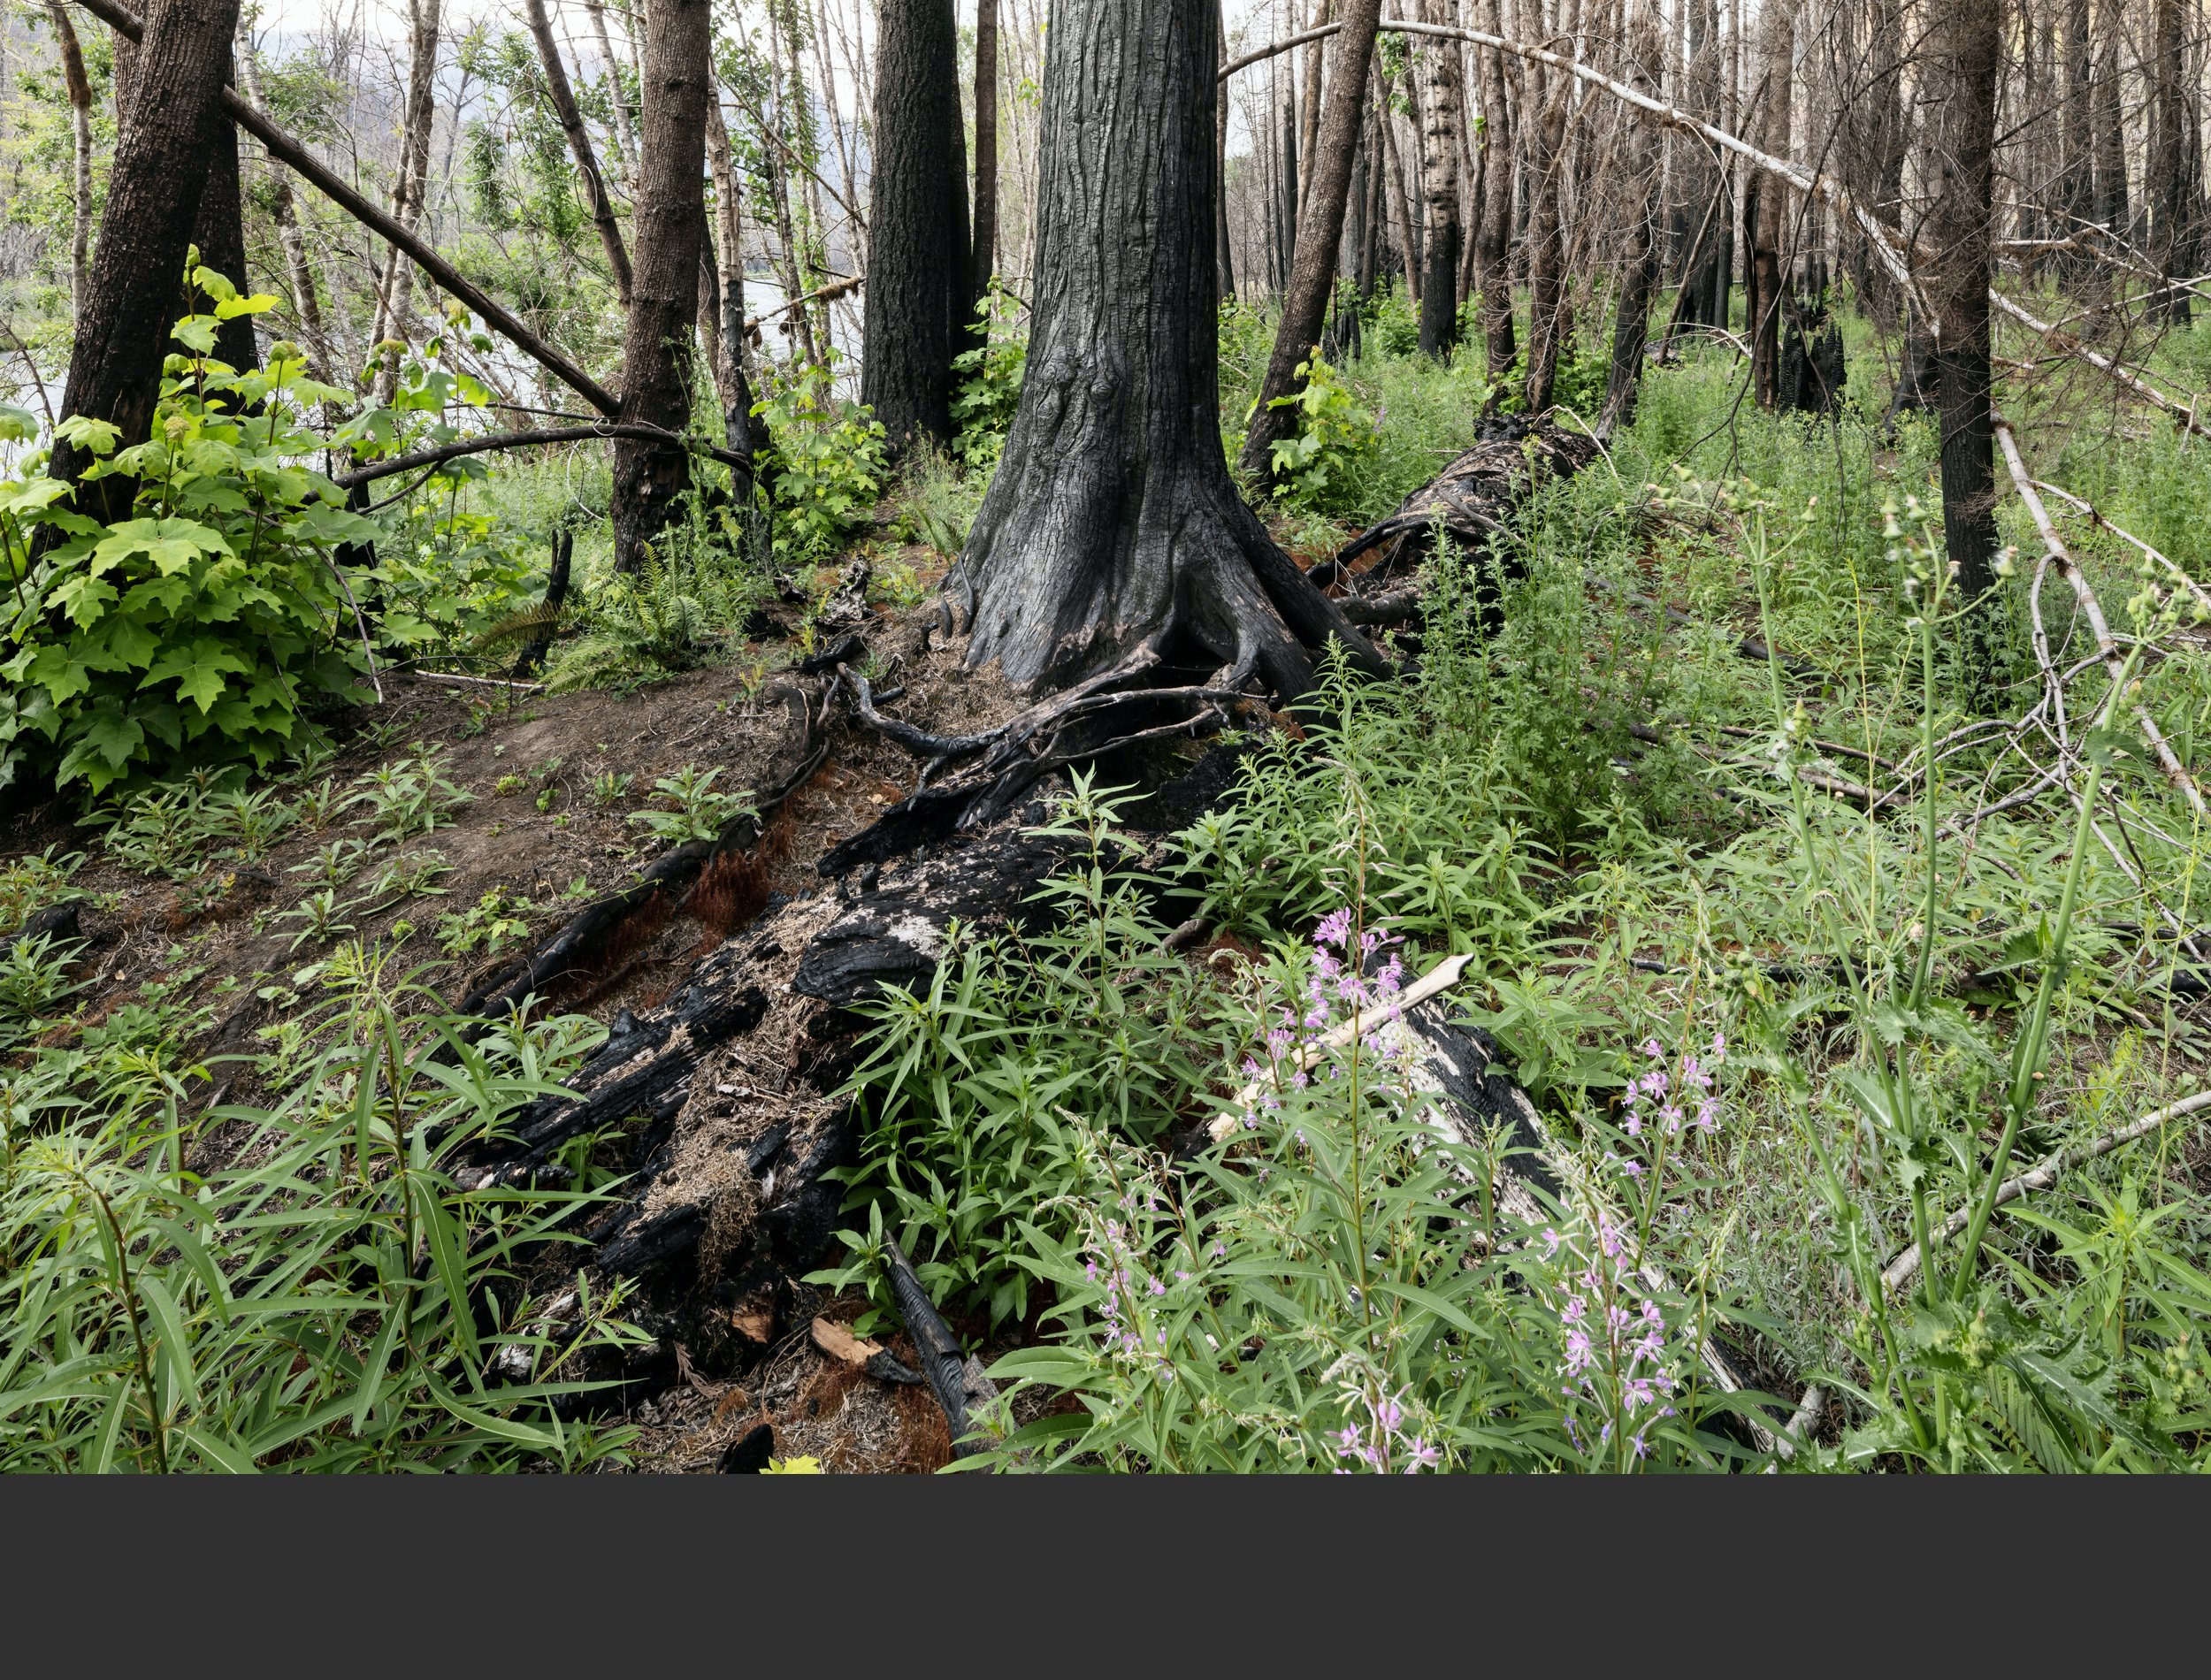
(840, 1344)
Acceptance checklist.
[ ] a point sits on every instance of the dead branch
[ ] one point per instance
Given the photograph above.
(2045, 1174)
(1280, 46)
(491, 440)
(2093, 610)
(2185, 414)
(828, 294)
(2172, 567)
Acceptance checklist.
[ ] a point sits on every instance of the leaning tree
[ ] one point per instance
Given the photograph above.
(1113, 533)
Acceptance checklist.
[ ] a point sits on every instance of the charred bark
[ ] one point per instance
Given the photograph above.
(219, 231)
(1639, 277)
(1493, 267)
(1443, 113)
(1112, 527)
(917, 289)
(670, 222)
(1963, 54)
(122, 333)
(984, 234)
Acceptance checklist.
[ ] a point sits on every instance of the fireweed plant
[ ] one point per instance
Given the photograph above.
(1334, 1286)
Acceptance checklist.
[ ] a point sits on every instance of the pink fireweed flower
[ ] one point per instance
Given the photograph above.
(1335, 929)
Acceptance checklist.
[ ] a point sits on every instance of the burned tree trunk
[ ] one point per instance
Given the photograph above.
(1493, 268)
(1639, 274)
(1766, 210)
(1111, 527)
(916, 293)
(985, 224)
(1962, 55)
(671, 219)
(2173, 184)
(122, 332)
(1443, 113)
(79, 87)
(1312, 266)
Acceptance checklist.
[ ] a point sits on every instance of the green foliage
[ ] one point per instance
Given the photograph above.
(965, 1084)
(207, 627)
(1334, 435)
(990, 381)
(334, 1300)
(495, 921)
(701, 810)
(824, 467)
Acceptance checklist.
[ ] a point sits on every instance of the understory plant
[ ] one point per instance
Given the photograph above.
(336, 1297)
(210, 625)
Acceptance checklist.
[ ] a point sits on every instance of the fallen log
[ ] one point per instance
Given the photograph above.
(1472, 499)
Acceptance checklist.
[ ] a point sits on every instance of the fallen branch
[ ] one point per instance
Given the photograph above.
(1280, 46)
(828, 294)
(2045, 1174)
(2172, 567)
(491, 440)
(2185, 415)
(2091, 609)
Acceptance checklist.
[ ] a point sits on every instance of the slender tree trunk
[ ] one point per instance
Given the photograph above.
(1962, 54)
(986, 147)
(2172, 193)
(670, 222)
(579, 146)
(617, 95)
(2109, 142)
(81, 128)
(1112, 526)
(306, 303)
(395, 297)
(1493, 246)
(1442, 116)
(1766, 203)
(737, 418)
(1401, 218)
(916, 285)
(1545, 133)
(1312, 272)
(122, 333)
(1309, 116)
(1640, 271)
(2077, 186)
(1287, 212)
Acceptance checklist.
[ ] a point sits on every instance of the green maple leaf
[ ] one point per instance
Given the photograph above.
(198, 671)
(114, 737)
(83, 598)
(172, 545)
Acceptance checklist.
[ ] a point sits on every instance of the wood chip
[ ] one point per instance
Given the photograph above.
(839, 1343)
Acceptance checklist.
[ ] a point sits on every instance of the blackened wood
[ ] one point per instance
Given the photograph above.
(533, 652)
(916, 298)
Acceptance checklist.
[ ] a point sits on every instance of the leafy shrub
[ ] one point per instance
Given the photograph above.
(990, 381)
(208, 626)
(1333, 435)
(825, 468)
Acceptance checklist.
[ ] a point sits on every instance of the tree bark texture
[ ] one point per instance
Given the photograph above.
(670, 219)
(2107, 118)
(1639, 274)
(1766, 204)
(2173, 187)
(1112, 526)
(915, 302)
(1443, 115)
(122, 333)
(579, 146)
(1544, 98)
(1962, 54)
(1312, 267)
(1493, 244)
(985, 224)
(738, 419)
